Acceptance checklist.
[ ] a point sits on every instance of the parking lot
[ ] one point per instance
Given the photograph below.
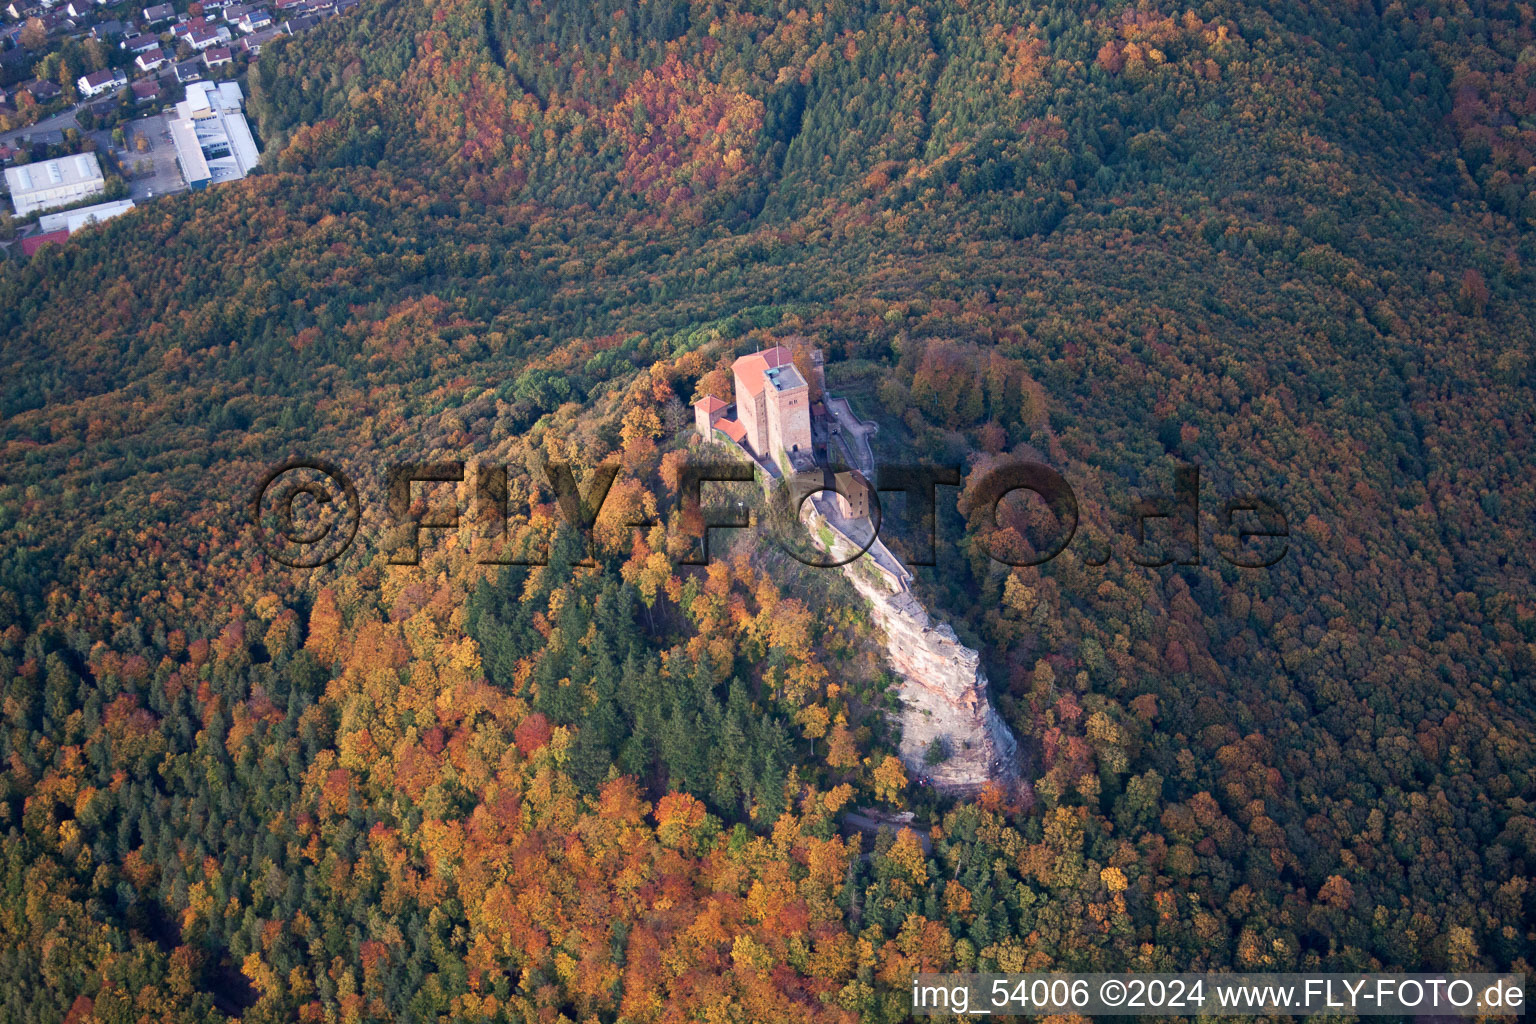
(151, 167)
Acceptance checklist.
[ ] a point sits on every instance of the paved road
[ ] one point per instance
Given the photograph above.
(856, 431)
(50, 129)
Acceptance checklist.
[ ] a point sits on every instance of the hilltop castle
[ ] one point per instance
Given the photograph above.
(773, 410)
(943, 686)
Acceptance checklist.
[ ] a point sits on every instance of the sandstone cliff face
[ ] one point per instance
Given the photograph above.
(943, 689)
(943, 695)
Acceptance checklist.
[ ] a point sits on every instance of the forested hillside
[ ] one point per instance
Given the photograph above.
(1290, 244)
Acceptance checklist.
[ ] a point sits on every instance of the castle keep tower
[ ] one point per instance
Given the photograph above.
(773, 408)
(788, 401)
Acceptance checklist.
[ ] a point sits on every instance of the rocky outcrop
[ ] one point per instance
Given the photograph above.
(943, 689)
(943, 696)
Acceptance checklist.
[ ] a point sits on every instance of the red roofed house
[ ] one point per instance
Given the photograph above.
(29, 246)
(98, 82)
(706, 411)
(200, 35)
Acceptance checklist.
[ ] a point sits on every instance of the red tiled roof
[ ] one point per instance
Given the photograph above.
(733, 430)
(749, 369)
(710, 403)
(29, 246)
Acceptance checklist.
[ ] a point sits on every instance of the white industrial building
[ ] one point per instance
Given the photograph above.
(213, 142)
(50, 183)
(74, 220)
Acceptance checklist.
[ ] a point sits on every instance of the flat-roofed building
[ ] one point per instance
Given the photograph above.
(789, 413)
(212, 139)
(50, 183)
(74, 220)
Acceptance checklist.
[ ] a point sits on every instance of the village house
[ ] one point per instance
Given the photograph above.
(14, 61)
(217, 55)
(98, 82)
(255, 19)
(200, 35)
(149, 60)
(43, 92)
(158, 13)
(251, 45)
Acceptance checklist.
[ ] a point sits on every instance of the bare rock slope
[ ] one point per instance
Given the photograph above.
(943, 688)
